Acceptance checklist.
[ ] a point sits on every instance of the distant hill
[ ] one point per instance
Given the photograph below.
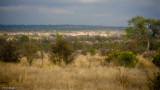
(37, 28)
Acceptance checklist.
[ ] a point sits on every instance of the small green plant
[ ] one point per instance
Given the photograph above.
(125, 58)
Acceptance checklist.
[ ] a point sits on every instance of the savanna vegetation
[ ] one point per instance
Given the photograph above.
(116, 59)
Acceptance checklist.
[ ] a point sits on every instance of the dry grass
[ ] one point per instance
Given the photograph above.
(86, 73)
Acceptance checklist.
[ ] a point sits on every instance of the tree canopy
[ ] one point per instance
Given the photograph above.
(143, 29)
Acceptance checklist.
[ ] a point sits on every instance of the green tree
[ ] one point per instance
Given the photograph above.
(30, 51)
(61, 51)
(142, 29)
(154, 26)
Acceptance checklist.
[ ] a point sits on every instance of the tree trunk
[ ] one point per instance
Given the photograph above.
(148, 43)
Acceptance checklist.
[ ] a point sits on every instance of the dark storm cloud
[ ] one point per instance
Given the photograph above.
(92, 12)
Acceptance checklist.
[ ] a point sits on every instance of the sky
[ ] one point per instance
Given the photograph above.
(76, 12)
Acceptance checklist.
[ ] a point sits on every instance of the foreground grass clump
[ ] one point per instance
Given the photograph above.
(125, 58)
(73, 78)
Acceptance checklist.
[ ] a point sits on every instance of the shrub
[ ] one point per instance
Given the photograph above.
(114, 55)
(156, 60)
(24, 38)
(126, 58)
(9, 53)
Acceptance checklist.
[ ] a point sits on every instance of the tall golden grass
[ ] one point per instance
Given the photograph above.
(85, 73)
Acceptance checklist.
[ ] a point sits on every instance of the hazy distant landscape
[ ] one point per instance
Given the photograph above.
(53, 28)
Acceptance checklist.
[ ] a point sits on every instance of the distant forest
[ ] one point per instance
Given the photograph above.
(46, 28)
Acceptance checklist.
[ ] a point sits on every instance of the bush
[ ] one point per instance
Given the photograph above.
(61, 51)
(9, 53)
(154, 84)
(156, 60)
(126, 58)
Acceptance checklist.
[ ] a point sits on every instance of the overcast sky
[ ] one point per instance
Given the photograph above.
(77, 12)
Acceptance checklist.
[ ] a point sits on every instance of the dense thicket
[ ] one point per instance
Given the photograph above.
(9, 53)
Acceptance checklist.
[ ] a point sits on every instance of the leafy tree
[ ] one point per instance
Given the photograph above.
(9, 53)
(154, 26)
(61, 51)
(143, 29)
(30, 51)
